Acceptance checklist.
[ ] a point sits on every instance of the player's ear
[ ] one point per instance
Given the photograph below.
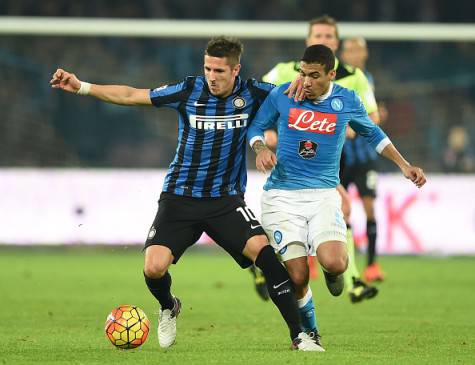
(332, 74)
(236, 69)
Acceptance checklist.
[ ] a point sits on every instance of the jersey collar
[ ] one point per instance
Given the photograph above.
(324, 96)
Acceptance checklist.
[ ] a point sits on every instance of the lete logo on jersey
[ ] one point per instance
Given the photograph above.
(310, 121)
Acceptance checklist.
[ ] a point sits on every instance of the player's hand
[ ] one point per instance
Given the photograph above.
(65, 81)
(295, 89)
(265, 160)
(415, 174)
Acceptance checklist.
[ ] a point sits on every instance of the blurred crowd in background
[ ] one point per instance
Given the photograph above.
(428, 87)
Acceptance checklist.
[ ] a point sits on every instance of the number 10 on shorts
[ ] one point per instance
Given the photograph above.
(247, 213)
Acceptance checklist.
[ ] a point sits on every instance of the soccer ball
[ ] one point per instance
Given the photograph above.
(127, 327)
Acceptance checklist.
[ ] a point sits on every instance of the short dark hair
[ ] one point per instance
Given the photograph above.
(318, 53)
(324, 19)
(228, 47)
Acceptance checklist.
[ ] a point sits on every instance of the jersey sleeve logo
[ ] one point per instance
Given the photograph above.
(310, 121)
(308, 149)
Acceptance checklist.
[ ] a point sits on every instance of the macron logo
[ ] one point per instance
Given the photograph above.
(218, 121)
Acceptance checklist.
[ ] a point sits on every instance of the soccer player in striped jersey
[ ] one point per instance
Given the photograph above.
(301, 208)
(359, 161)
(203, 190)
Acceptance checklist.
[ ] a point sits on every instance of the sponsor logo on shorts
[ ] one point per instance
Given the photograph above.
(307, 149)
(283, 250)
(278, 237)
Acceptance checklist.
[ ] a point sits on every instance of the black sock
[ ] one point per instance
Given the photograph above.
(160, 289)
(280, 289)
(371, 233)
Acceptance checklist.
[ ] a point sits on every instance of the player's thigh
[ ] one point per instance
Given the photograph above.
(232, 226)
(283, 224)
(327, 224)
(177, 225)
(366, 180)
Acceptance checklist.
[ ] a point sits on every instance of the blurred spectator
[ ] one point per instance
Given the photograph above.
(458, 155)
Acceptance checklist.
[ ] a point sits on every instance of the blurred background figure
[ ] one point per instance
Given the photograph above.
(359, 163)
(458, 155)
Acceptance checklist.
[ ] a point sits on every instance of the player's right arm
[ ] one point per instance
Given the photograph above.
(116, 94)
(265, 118)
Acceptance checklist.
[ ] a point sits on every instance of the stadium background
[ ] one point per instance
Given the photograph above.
(70, 165)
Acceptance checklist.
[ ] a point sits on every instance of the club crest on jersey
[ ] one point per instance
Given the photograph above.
(337, 104)
(307, 149)
(239, 102)
(312, 121)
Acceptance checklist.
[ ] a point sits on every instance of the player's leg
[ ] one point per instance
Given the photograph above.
(327, 235)
(357, 289)
(366, 181)
(168, 238)
(286, 226)
(260, 285)
(373, 271)
(241, 235)
(259, 282)
(294, 256)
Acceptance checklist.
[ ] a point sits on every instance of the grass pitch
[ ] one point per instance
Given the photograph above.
(55, 301)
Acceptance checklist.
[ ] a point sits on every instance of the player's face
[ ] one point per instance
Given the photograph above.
(354, 53)
(315, 80)
(220, 75)
(323, 34)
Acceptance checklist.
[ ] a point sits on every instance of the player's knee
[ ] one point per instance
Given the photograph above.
(299, 275)
(157, 261)
(254, 246)
(155, 272)
(336, 265)
(300, 279)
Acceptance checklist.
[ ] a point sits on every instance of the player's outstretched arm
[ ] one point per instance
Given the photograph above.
(116, 94)
(413, 173)
(265, 158)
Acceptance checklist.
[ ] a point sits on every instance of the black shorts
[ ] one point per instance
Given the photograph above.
(181, 220)
(364, 176)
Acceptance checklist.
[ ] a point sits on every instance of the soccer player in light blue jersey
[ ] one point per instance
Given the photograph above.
(301, 208)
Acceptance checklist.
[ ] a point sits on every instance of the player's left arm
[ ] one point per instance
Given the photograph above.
(413, 173)
(375, 136)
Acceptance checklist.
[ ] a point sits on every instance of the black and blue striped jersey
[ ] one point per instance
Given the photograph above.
(210, 159)
(357, 151)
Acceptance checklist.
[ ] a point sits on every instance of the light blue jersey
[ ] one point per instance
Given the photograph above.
(311, 136)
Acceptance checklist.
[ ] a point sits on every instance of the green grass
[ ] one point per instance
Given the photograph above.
(55, 301)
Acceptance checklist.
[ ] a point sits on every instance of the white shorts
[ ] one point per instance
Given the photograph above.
(309, 216)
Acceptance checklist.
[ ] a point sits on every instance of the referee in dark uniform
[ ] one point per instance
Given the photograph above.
(203, 190)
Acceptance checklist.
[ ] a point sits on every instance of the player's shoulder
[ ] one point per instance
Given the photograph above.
(262, 85)
(345, 93)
